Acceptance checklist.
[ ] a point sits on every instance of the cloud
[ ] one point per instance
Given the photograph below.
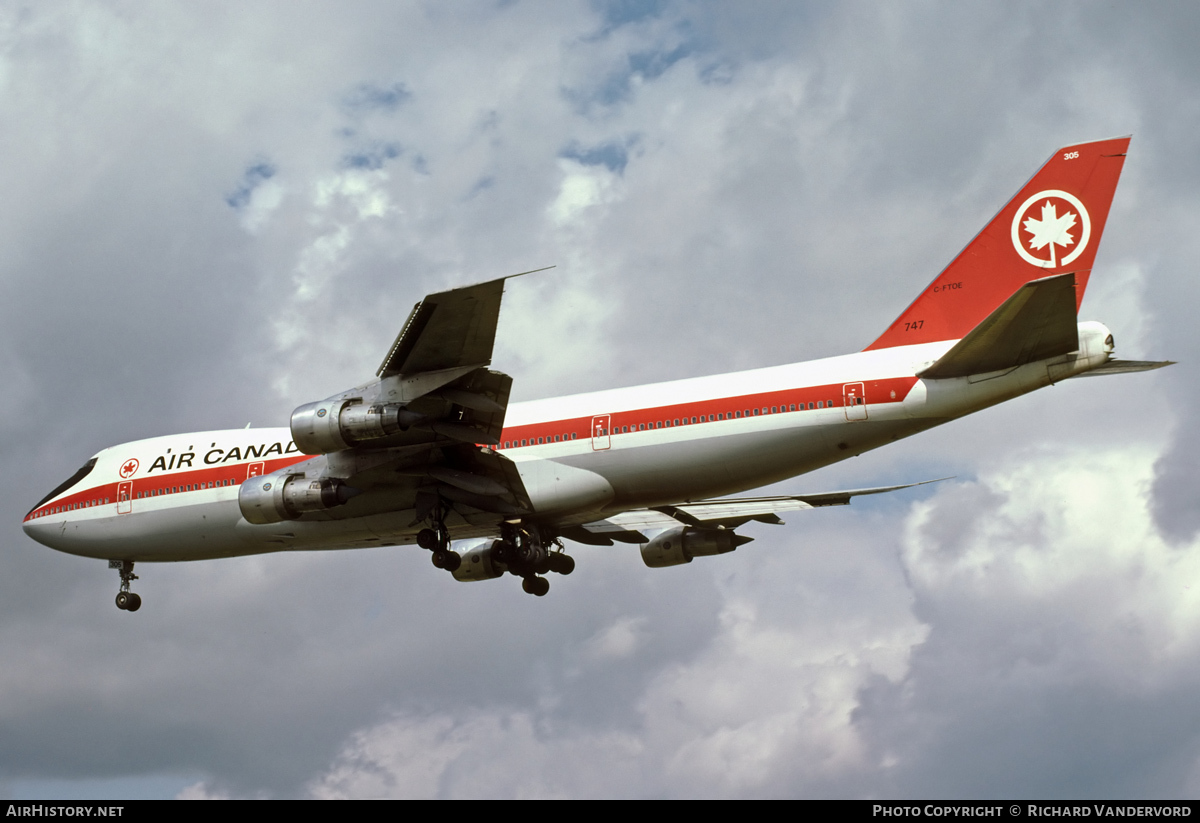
(368, 97)
(213, 216)
(1044, 581)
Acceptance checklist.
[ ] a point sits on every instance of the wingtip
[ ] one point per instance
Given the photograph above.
(531, 271)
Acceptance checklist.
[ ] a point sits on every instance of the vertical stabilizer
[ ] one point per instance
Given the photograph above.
(1052, 226)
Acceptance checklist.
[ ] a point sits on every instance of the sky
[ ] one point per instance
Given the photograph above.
(214, 213)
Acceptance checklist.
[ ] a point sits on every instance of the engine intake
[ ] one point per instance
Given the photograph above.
(284, 495)
(679, 545)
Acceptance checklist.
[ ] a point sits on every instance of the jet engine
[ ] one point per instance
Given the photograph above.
(286, 495)
(679, 545)
(480, 563)
(338, 424)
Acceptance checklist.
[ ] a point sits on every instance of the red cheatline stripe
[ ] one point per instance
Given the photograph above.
(235, 473)
(876, 392)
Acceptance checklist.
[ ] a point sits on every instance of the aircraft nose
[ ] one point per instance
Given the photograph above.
(41, 532)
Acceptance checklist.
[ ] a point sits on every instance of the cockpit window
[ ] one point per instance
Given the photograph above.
(68, 483)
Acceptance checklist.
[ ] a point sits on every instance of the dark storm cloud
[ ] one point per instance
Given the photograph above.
(799, 173)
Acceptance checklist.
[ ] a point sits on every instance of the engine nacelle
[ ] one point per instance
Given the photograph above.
(679, 545)
(338, 424)
(480, 563)
(286, 495)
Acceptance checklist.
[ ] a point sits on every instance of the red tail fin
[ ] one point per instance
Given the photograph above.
(1052, 226)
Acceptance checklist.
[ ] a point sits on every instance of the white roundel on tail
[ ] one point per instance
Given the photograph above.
(1051, 229)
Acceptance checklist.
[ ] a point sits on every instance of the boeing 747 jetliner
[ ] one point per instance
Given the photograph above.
(431, 452)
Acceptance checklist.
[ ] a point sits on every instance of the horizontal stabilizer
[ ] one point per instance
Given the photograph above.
(1038, 321)
(1126, 367)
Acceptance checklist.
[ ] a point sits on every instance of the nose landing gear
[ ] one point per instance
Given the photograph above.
(126, 600)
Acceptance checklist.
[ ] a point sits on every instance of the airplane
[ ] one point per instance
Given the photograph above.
(431, 452)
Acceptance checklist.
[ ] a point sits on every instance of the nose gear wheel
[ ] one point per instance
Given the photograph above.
(126, 600)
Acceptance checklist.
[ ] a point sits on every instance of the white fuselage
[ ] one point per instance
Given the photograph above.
(581, 458)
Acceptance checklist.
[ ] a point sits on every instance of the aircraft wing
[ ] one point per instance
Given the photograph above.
(417, 438)
(448, 330)
(728, 513)
(445, 330)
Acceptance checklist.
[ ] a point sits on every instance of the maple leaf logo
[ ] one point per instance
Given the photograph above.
(1051, 231)
(1064, 229)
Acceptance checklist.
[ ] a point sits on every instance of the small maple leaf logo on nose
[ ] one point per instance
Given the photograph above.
(129, 467)
(1051, 231)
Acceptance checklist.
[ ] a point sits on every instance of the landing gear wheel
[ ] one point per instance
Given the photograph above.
(427, 539)
(561, 563)
(537, 586)
(446, 559)
(126, 600)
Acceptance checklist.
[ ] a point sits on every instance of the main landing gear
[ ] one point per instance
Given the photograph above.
(522, 550)
(126, 600)
(528, 556)
(437, 540)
